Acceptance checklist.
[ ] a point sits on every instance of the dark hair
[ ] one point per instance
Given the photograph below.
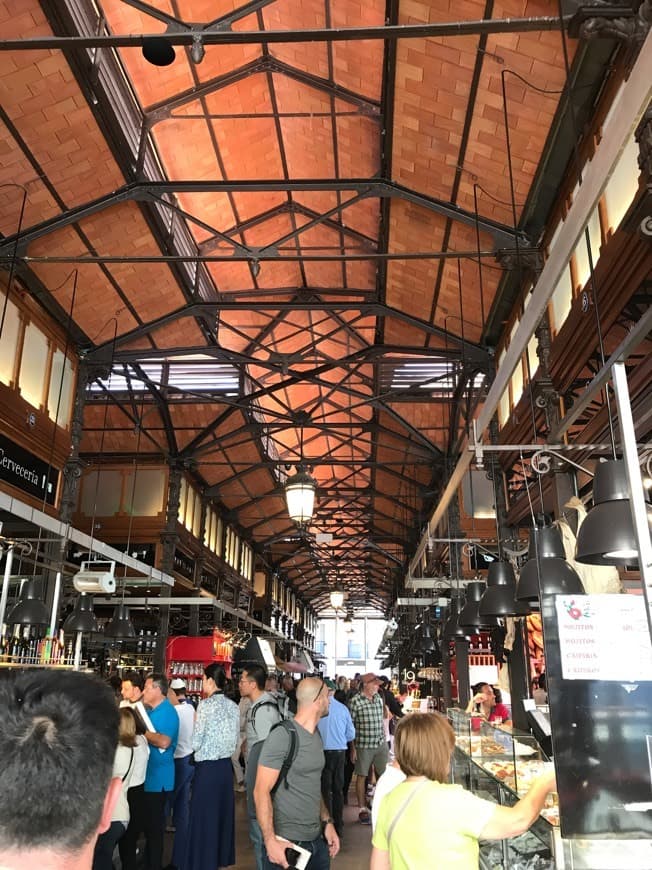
(542, 680)
(159, 680)
(257, 673)
(216, 673)
(135, 678)
(58, 737)
(477, 687)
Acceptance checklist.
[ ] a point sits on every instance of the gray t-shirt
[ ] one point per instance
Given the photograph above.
(297, 807)
(261, 717)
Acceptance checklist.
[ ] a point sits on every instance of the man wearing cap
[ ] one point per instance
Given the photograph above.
(337, 732)
(183, 770)
(369, 747)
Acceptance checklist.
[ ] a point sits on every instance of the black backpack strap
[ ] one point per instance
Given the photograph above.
(257, 707)
(291, 754)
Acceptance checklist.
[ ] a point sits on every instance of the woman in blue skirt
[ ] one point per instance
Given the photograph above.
(211, 835)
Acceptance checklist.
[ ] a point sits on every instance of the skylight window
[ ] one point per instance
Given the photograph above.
(177, 376)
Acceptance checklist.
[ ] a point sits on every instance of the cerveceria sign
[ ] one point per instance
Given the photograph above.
(27, 472)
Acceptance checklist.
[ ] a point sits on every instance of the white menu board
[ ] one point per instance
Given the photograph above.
(604, 637)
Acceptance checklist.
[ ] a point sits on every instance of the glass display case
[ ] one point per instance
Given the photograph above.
(499, 765)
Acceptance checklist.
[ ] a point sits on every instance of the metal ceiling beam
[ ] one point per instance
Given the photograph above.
(371, 309)
(215, 35)
(160, 111)
(148, 191)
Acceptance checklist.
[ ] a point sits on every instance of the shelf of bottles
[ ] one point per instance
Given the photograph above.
(25, 648)
(191, 673)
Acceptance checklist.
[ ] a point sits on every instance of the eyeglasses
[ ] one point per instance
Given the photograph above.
(319, 692)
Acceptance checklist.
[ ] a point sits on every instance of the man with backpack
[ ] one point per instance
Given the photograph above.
(287, 789)
(262, 715)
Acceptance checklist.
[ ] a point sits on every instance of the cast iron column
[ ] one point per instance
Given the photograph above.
(169, 538)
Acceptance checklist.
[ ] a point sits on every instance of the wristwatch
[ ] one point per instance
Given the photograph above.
(325, 822)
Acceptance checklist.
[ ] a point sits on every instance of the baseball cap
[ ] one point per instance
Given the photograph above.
(177, 684)
(369, 678)
(331, 685)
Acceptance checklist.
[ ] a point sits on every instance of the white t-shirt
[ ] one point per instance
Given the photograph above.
(392, 777)
(186, 714)
(123, 768)
(141, 757)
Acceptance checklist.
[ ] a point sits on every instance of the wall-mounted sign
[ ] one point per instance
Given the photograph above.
(27, 472)
(604, 637)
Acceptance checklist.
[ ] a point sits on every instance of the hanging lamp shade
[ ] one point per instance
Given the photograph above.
(82, 617)
(427, 642)
(337, 599)
(29, 610)
(606, 537)
(499, 596)
(546, 569)
(158, 50)
(300, 497)
(120, 624)
(470, 614)
(452, 628)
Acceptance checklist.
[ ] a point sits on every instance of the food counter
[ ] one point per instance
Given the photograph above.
(499, 764)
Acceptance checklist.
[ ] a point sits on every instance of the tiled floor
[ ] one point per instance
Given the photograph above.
(354, 854)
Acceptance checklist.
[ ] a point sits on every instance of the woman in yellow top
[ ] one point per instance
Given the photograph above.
(426, 823)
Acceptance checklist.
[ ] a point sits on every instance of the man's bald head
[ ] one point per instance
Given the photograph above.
(308, 691)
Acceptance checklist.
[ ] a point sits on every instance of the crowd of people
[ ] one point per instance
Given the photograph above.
(154, 757)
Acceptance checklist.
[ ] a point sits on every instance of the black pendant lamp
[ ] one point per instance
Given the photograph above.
(427, 641)
(470, 614)
(606, 537)
(158, 50)
(29, 610)
(499, 597)
(120, 625)
(82, 617)
(546, 569)
(452, 628)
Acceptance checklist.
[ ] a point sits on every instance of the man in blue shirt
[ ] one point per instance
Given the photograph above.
(337, 732)
(159, 779)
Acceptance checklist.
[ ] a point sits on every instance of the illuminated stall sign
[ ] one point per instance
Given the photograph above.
(20, 468)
